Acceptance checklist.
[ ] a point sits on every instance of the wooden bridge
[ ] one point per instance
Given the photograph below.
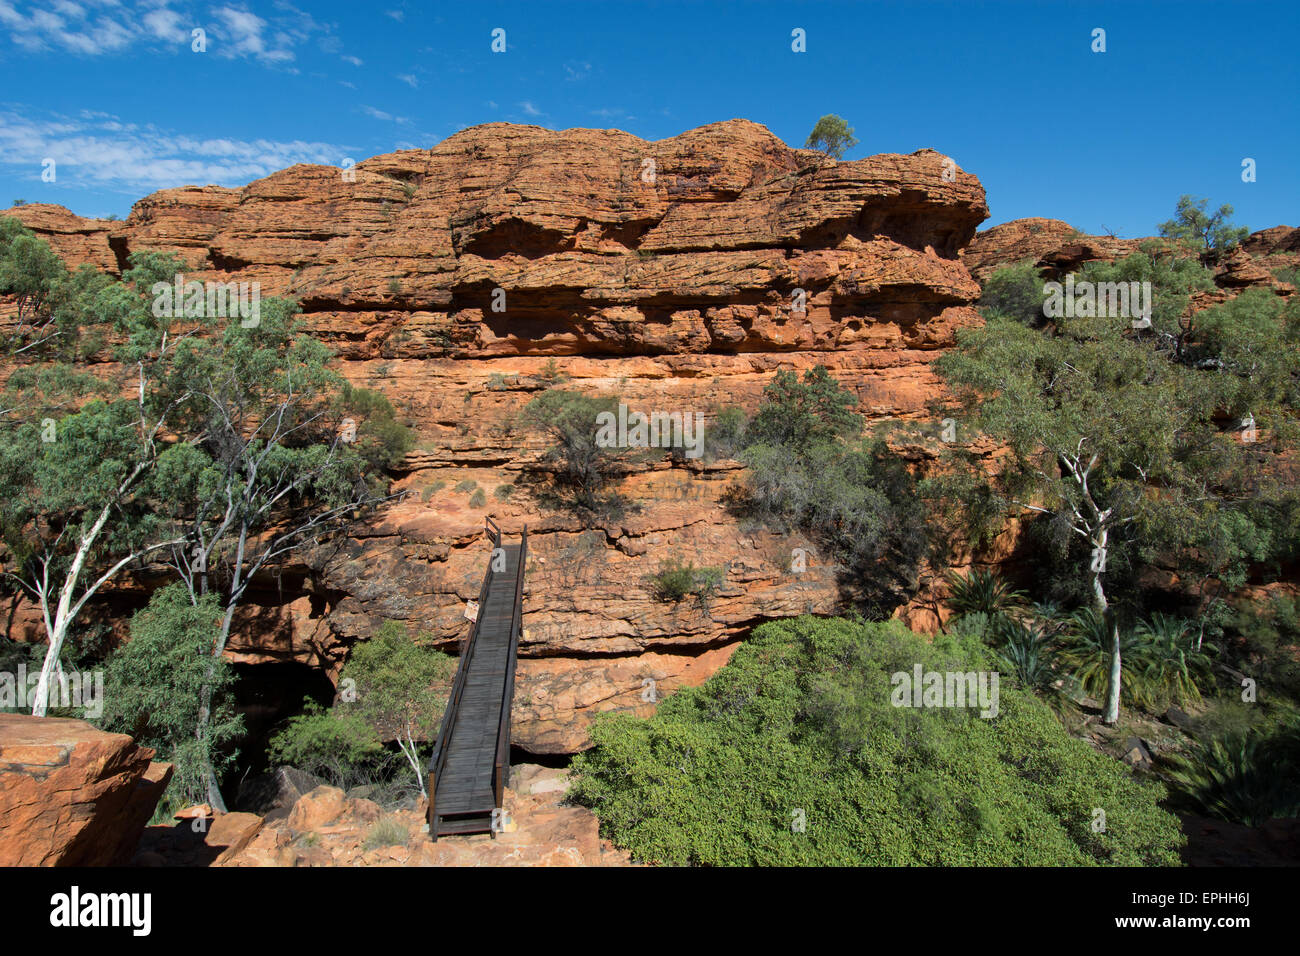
(470, 766)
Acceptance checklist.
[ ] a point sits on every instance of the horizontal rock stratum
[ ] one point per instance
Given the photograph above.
(667, 272)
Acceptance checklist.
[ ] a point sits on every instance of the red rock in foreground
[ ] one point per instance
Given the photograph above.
(73, 795)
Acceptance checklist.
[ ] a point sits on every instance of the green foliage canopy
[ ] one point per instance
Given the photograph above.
(801, 720)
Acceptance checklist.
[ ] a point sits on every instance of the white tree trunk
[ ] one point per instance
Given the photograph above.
(1111, 714)
(57, 631)
(412, 754)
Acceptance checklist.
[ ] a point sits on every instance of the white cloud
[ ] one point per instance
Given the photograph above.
(166, 25)
(234, 31)
(408, 79)
(244, 28)
(397, 15)
(98, 150)
(354, 60)
(530, 109)
(577, 71)
(379, 114)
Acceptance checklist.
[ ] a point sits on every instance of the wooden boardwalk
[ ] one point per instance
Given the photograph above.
(470, 766)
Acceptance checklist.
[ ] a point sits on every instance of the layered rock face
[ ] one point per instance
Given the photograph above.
(679, 275)
(72, 795)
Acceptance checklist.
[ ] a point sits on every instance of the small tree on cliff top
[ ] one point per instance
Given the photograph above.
(832, 135)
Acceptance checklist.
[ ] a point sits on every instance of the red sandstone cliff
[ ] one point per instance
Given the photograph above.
(662, 271)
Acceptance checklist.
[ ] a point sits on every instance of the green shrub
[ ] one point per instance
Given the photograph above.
(800, 726)
(1212, 232)
(339, 747)
(1246, 777)
(581, 468)
(1288, 274)
(152, 687)
(1264, 636)
(726, 436)
(801, 415)
(380, 438)
(1159, 659)
(677, 579)
(1174, 667)
(503, 492)
(1015, 292)
(551, 373)
(477, 499)
(982, 592)
(465, 487)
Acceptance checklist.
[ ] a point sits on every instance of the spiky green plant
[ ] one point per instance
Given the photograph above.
(1085, 653)
(982, 592)
(1173, 667)
(1241, 777)
(1025, 652)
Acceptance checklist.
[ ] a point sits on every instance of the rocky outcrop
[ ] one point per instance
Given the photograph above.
(73, 795)
(464, 279)
(1053, 247)
(78, 240)
(327, 827)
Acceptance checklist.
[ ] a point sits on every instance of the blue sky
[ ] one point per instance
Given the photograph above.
(113, 92)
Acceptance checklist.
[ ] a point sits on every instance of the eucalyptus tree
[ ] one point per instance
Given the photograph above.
(79, 454)
(282, 453)
(1108, 435)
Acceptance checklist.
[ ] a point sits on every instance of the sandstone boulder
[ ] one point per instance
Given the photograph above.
(73, 795)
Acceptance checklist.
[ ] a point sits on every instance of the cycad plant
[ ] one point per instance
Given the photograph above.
(1174, 668)
(982, 592)
(1026, 652)
(1241, 777)
(1085, 652)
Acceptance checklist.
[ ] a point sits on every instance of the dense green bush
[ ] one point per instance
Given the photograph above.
(677, 579)
(341, 748)
(855, 498)
(581, 469)
(153, 680)
(380, 439)
(1209, 232)
(726, 435)
(799, 725)
(1014, 292)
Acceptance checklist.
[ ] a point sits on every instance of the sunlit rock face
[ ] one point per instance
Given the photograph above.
(679, 274)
